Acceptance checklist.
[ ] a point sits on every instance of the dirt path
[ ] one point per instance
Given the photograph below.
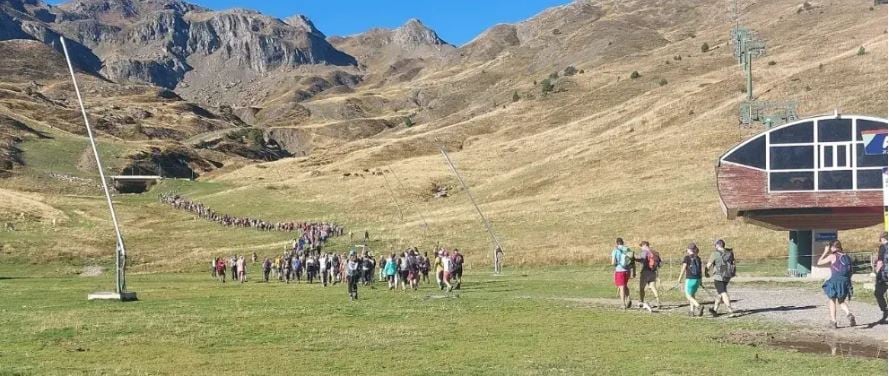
(800, 307)
(808, 308)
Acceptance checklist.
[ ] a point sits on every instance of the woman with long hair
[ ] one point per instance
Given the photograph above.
(838, 287)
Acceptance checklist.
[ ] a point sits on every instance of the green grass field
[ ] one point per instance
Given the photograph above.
(519, 323)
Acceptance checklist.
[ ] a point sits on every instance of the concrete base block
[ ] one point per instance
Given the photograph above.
(124, 297)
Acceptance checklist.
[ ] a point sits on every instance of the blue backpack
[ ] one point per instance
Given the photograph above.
(842, 265)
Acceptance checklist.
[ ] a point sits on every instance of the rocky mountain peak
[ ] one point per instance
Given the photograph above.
(303, 23)
(121, 11)
(414, 33)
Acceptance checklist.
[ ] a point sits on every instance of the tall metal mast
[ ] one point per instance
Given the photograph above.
(474, 204)
(120, 253)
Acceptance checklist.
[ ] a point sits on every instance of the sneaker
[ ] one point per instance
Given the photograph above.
(700, 310)
(629, 303)
(647, 307)
(851, 320)
(713, 312)
(832, 325)
(691, 313)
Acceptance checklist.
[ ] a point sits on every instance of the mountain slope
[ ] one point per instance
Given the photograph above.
(560, 172)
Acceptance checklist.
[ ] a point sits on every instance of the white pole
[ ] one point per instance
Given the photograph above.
(121, 253)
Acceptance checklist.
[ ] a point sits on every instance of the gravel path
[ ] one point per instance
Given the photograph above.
(804, 307)
(801, 307)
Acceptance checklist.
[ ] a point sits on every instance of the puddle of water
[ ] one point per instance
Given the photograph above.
(835, 348)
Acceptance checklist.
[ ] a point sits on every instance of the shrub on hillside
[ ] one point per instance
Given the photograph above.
(570, 71)
(705, 47)
(546, 86)
(408, 122)
(662, 82)
(861, 51)
(635, 75)
(515, 96)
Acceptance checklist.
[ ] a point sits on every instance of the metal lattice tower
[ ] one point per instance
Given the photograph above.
(747, 47)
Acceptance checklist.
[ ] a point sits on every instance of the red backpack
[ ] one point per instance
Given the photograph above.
(654, 260)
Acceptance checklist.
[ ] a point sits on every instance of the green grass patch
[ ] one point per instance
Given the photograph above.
(518, 323)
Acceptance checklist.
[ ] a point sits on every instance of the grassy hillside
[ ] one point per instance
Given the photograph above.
(559, 175)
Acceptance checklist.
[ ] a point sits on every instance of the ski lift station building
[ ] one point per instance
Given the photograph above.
(810, 177)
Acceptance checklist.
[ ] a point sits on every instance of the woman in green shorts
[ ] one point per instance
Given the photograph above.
(692, 271)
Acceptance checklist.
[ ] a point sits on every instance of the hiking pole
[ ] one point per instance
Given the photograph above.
(674, 287)
(714, 297)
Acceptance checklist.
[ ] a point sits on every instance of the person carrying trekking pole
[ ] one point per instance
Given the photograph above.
(838, 287)
(721, 266)
(651, 262)
(881, 267)
(622, 260)
(692, 269)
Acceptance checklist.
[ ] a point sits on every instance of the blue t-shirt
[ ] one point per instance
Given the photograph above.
(616, 255)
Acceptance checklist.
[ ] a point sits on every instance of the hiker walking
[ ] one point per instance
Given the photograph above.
(721, 266)
(424, 267)
(353, 273)
(838, 287)
(622, 260)
(242, 269)
(391, 268)
(220, 269)
(266, 269)
(458, 269)
(447, 265)
(692, 269)
(881, 266)
(651, 262)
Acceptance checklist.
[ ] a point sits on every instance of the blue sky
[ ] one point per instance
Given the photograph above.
(456, 21)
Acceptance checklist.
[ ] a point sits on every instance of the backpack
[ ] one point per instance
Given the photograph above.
(625, 260)
(654, 260)
(459, 260)
(842, 265)
(725, 264)
(694, 267)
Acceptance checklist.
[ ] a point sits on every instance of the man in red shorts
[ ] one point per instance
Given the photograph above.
(622, 259)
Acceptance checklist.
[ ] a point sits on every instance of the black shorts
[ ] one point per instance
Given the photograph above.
(458, 272)
(646, 277)
(721, 286)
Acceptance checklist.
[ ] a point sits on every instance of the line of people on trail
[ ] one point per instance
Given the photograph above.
(404, 270)
(318, 230)
(410, 267)
(721, 267)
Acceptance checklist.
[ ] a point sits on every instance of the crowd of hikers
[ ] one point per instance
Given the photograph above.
(316, 230)
(721, 267)
(402, 270)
